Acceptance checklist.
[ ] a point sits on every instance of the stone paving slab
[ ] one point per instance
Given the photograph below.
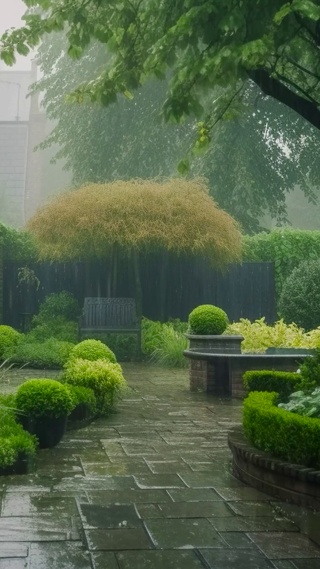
(150, 487)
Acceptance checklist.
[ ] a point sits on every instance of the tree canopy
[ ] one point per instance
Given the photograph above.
(251, 165)
(206, 44)
(136, 216)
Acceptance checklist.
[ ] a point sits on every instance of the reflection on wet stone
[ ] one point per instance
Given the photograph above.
(150, 487)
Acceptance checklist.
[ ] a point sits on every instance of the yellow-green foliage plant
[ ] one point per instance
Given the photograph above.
(92, 350)
(258, 336)
(134, 217)
(102, 376)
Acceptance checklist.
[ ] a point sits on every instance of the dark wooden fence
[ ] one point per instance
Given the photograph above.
(245, 290)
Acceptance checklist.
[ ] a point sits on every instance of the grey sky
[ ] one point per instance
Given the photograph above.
(10, 16)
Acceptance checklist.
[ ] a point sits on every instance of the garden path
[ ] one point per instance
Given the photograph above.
(149, 488)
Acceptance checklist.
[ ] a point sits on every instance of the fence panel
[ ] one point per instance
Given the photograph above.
(243, 291)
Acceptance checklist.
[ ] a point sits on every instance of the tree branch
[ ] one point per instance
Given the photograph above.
(274, 88)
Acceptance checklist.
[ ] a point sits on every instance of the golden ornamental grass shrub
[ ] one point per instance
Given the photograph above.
(137, 215)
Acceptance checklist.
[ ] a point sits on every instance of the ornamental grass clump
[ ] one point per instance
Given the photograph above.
(207, 319)
(92, 350)
(176, 215)
(102, 376)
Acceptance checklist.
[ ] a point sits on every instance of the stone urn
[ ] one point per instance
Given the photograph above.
(207, 347)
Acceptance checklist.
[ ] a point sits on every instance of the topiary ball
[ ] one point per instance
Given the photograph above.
(93, 350)
(300, 296)
(43, 398)
(9, 337)
(207, 319)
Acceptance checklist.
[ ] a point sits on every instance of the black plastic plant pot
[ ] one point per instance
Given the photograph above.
(23, 465)
(48, 430)
(80, 413)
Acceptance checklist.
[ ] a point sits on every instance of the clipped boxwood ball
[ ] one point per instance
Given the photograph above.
(43, 397)
(9, 337)
(207, 319)
(93, 350)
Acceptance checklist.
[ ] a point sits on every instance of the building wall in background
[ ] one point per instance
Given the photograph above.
(13, 163)
(27, 177)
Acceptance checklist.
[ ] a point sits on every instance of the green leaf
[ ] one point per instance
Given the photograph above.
(282, 13)
(8, 56)
(75, 51)
(307, 8)
(129, 95)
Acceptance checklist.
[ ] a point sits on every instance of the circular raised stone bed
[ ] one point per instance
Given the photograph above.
(219, 344)
(290, 482)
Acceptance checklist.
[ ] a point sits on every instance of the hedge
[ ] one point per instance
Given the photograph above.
(283, 382)
(286, 248)
(284, 435)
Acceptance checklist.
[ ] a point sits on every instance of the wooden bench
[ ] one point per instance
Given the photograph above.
(110, 315)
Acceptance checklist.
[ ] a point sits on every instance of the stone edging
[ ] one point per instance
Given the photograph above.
(284, 480)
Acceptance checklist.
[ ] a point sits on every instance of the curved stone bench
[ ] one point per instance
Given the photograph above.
(283, 480)
(221, 373)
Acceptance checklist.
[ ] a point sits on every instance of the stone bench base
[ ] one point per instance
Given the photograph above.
(221, 374)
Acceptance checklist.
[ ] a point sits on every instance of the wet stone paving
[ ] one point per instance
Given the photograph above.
(150, 488)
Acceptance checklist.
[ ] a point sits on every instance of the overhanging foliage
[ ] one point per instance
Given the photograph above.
(206, 43)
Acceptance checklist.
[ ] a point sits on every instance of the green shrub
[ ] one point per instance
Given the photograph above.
(300, 297)
(286, 248)
(102, 376)
(61, 304)
(58, 328)
(169, 352)
(310, 372)
(303, 404)
(207, 319)
(283, 434)
(57, 318)
(43, 397)
(51, 354)
(92, 350)
(282, 382)
(14, 441)
(9, 338)
(83, 396)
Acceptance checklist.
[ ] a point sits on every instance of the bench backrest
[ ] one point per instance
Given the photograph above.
(109, 313)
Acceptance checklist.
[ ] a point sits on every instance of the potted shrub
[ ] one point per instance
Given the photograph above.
(43, 406)
(17, 447)
(102, 376)
(92, 350)
(207, 323)
(84, 405)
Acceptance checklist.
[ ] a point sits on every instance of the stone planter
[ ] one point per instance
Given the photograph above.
(222, 344)
(282, 480)
(211, 374)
